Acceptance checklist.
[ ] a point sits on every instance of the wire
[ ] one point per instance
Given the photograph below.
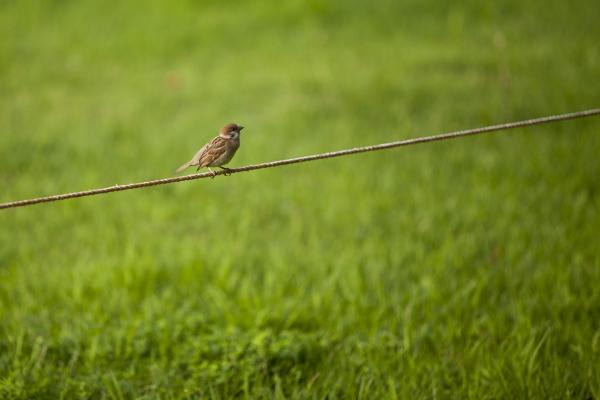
(339, 153)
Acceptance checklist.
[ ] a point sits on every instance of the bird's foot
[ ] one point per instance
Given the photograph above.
(227, 171)
(213, 173)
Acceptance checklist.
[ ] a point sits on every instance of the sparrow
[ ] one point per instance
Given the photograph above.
(218, 152)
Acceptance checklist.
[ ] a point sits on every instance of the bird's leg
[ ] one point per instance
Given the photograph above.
(213, 173)
(227, 170)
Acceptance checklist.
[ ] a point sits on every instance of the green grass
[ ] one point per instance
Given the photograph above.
(463, 269)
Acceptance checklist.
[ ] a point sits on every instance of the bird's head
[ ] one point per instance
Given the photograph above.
(231, 131)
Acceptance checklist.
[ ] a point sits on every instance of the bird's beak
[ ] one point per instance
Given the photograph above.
(240, 128)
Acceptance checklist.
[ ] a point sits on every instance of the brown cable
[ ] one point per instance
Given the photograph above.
(339, 153)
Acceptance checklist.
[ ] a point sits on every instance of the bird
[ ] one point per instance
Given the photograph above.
(218, 152)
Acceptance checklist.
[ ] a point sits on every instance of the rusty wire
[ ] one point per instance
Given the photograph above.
(339, 153)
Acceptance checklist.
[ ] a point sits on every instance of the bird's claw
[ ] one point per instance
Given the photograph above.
(213, 173)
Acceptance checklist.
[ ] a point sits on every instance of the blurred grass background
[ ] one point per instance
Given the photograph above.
(463, 269)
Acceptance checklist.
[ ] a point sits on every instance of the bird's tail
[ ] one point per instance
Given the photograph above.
(184, 166)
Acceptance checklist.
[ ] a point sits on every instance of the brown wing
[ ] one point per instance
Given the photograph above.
(194, 160)
(210, 152)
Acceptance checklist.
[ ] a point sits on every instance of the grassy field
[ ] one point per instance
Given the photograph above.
(463, 269)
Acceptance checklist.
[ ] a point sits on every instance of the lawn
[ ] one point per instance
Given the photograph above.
(460, 269)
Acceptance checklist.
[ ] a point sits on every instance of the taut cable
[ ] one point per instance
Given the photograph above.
(339, 153)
